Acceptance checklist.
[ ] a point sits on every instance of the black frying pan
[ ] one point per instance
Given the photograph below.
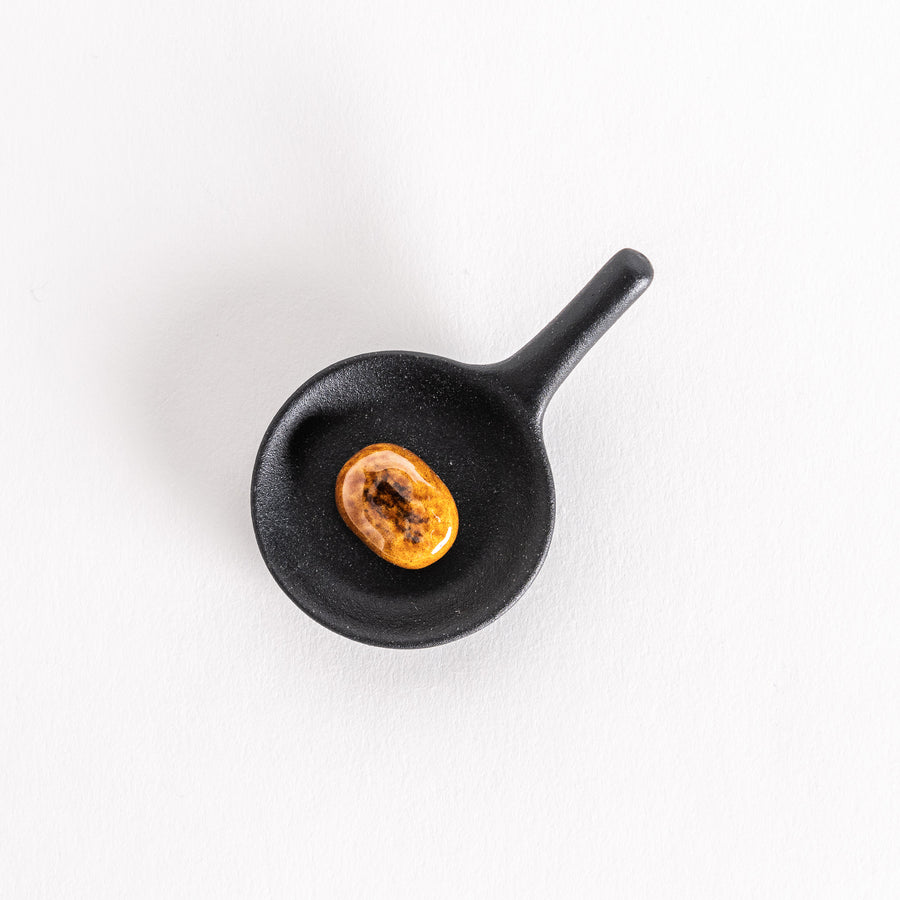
(478, 427)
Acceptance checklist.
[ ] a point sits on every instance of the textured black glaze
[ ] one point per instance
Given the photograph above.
(478, 427)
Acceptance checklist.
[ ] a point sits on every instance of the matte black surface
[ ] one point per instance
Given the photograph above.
(478, 427)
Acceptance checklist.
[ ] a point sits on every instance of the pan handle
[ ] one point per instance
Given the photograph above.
(541, 366)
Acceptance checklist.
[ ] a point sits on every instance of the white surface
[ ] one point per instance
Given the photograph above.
(203, 204)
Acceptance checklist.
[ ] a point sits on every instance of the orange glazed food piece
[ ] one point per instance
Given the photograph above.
(397, 506)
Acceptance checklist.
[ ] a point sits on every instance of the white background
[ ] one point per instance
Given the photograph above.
(201, 204)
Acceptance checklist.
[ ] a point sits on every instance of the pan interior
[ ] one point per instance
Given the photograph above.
(473, 435)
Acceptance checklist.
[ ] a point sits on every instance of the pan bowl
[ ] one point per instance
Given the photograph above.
(483, 442)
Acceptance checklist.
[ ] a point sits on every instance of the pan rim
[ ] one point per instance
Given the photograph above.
(415, 640)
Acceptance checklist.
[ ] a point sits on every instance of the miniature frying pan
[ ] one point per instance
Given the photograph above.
(479, 427)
